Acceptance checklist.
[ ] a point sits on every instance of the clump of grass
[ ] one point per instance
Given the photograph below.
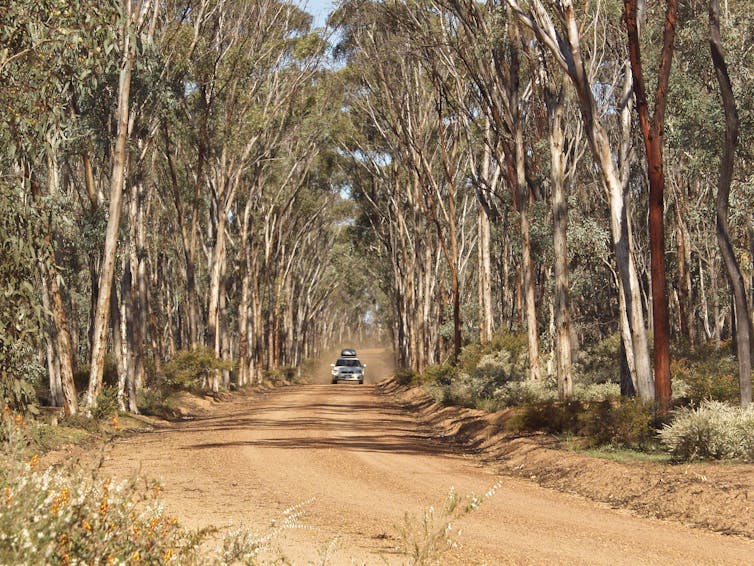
(712, 431)
(426, 538)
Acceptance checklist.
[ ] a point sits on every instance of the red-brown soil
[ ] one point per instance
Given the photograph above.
(358, 457)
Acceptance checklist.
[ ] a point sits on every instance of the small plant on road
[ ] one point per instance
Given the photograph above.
(426, 538)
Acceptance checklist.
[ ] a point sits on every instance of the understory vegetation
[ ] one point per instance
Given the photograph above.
(705, 425)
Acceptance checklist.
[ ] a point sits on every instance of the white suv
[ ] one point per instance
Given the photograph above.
(348, 369)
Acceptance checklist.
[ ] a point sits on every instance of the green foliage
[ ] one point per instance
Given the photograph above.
(599, 363)
(21, 313)
(596, 391)
(707, 374)
(517, 393)
(191, 369)
(107, 404)
(405, 376)
(109, 375)
(548, 416)
(442, 374)
(285, 374)
(627, 423)
(17, 394)
(712, 431)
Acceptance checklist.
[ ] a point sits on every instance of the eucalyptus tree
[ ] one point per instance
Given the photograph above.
(134, 20)
(50, 54)
(653, 132)
(563, 41)
(727, 162)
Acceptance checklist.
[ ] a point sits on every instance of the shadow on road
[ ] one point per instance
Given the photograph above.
(344, 418)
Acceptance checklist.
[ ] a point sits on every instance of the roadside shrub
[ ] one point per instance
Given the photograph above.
(442, 374)
(154, 401)
(516, 344)
(191, 369)
(600, 362)
(13, 435)
(596, 391)
(547, 416)
(469, 358)
(712, 431)
(425, 539)
(405, 376)
(708, 373)
(285, 374)
(626, 423)
(107, 404)
(58, 516)
(517, 393)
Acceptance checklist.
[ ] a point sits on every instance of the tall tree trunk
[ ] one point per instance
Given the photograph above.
(560, 248)
(215, 288)
(51, 343)
(99, 338)
(527, 265)
(727, 161)
(652, 129)
(486, 322)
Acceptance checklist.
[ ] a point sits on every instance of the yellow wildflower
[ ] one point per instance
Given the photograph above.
(19, 419)
(34, 462)
(168, 555)
(86, 525)
(115, 423)
(136, 556)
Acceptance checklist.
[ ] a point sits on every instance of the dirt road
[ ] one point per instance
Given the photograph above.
(356, 463)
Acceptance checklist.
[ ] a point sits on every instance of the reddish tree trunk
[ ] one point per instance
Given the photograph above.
(652, 130)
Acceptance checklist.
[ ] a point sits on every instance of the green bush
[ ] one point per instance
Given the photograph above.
(285, 374)
(107, 404)
(17, 394)
(712, 431)
(109, 375)
(596, 391)
(548, 416)
(599, 363)
(191, 369)
(442, 374)
(405, 376)
(707, 373)
(518, 393)
(627, 423)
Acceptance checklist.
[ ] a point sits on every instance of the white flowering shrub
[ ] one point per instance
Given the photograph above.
(712, 431)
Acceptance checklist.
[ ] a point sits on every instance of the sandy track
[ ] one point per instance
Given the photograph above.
(358, 462)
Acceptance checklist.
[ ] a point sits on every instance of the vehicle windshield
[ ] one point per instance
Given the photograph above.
(348, 362)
